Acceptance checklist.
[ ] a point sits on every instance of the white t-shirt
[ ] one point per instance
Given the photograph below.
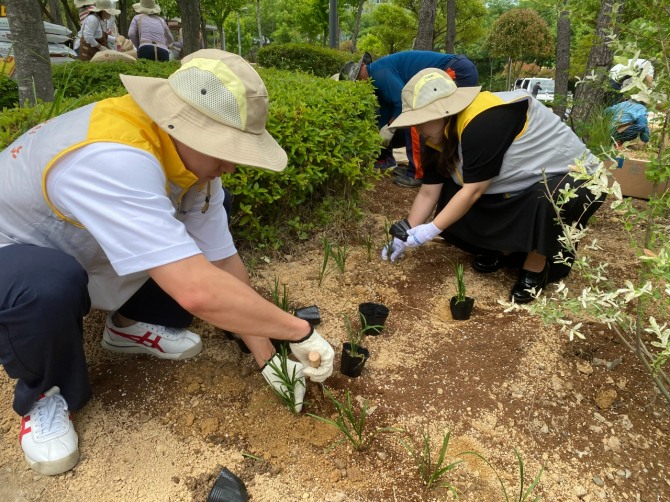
(118, 194)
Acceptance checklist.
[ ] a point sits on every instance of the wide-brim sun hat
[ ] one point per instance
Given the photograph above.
(147, 7)
(350, 70)
(432, 94)
(216, 104)
(107, 6)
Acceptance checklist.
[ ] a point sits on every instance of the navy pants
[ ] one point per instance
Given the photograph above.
(43, 299)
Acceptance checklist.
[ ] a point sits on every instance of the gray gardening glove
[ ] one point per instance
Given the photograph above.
(314, 342)
(386, 134)
(421, 234)
(396, 251)
(275, 381)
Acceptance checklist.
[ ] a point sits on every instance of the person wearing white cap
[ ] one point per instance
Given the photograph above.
(94, 37)
(486, 156)
(118, 206)
(149, 32)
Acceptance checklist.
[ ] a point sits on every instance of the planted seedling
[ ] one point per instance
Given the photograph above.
(340, 255)
(280, 300)
(523, 495)
(431, 469)
(327, 251)
(355, 335)
(461, 305)
(368, 246)
(352, 424)
(460, 283)
(289, 379)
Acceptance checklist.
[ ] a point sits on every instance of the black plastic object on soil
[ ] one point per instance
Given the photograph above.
(228, 488)
(373, 314)
(352, 365)
(399, 229)
(460, 311)
(309, 314)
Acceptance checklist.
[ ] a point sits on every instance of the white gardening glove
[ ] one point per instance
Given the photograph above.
(314, 342)
(421, 234)
(386, 134)
(275, 381)
(102, 48)
(397, 250)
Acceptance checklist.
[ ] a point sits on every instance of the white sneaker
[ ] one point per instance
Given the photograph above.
(145, 338)
(48, 438)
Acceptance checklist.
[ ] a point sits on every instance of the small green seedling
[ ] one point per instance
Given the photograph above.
(430, 469)
(327, 251)
(350, 423)
(280, 300)
(355, 335)
(289, 380)
(460, 283)
(340, 255)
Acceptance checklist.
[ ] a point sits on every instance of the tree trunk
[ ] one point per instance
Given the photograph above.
(123, 23)
(357, 26)
(258, 20)
(72, 21)
(189, 10)
(562, 61)
(33, 67)
(424, 34)
(55, 13)
(450, 41)
(591, 93)
(203, 34)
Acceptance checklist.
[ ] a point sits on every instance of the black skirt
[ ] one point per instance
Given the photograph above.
(519, 224)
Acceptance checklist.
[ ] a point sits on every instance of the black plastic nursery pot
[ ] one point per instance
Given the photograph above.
(373, 314)
(310, 314)
(460, 311)
(352, 366)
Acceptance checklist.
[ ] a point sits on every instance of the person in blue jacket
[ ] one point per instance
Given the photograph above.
(628, 119)
(389, 74)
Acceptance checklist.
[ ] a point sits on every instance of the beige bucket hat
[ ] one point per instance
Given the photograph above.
(432, 94)
(216, 104)
(107, 6)
(147, 7)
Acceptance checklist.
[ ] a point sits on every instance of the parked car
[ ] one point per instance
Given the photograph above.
(546, 91)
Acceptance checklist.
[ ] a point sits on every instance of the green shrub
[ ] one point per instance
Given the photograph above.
(329, 132)
(318, 61)
(9, 92)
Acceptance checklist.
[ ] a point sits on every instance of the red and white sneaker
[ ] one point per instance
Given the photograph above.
(145, 338)
(48, 438)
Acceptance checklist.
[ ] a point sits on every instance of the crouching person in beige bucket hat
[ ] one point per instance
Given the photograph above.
(118, 206)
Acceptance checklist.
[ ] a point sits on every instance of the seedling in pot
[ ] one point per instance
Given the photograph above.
(430, 469)
(289, 380)
(460, 283)
(356, 336)
(388, 238)
(350, 423)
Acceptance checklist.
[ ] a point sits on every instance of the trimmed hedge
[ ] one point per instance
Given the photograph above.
(327, 128)
(318, 61)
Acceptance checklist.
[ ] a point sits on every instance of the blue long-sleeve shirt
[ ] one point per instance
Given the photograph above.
(390, 73)
(630, 112)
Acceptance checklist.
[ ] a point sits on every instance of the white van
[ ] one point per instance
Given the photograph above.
(546, 90)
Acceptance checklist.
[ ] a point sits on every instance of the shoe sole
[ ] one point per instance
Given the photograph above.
(54, 467)
(140, 349)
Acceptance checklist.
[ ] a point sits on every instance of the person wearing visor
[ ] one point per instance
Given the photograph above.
(485, 157)
(118, 206)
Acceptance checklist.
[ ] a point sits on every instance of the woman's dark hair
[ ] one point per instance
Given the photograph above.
(445, 160)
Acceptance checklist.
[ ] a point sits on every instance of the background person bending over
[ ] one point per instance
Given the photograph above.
(388, 75)
(485, 155)
(628, 119)
(118, 206)
(94, 37)
(149, 32)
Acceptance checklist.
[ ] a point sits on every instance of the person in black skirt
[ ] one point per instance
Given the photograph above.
(486, 158)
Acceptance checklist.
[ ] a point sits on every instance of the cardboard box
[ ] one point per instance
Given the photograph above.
(630, 173)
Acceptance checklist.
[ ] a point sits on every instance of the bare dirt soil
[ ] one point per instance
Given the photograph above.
(161, 431)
